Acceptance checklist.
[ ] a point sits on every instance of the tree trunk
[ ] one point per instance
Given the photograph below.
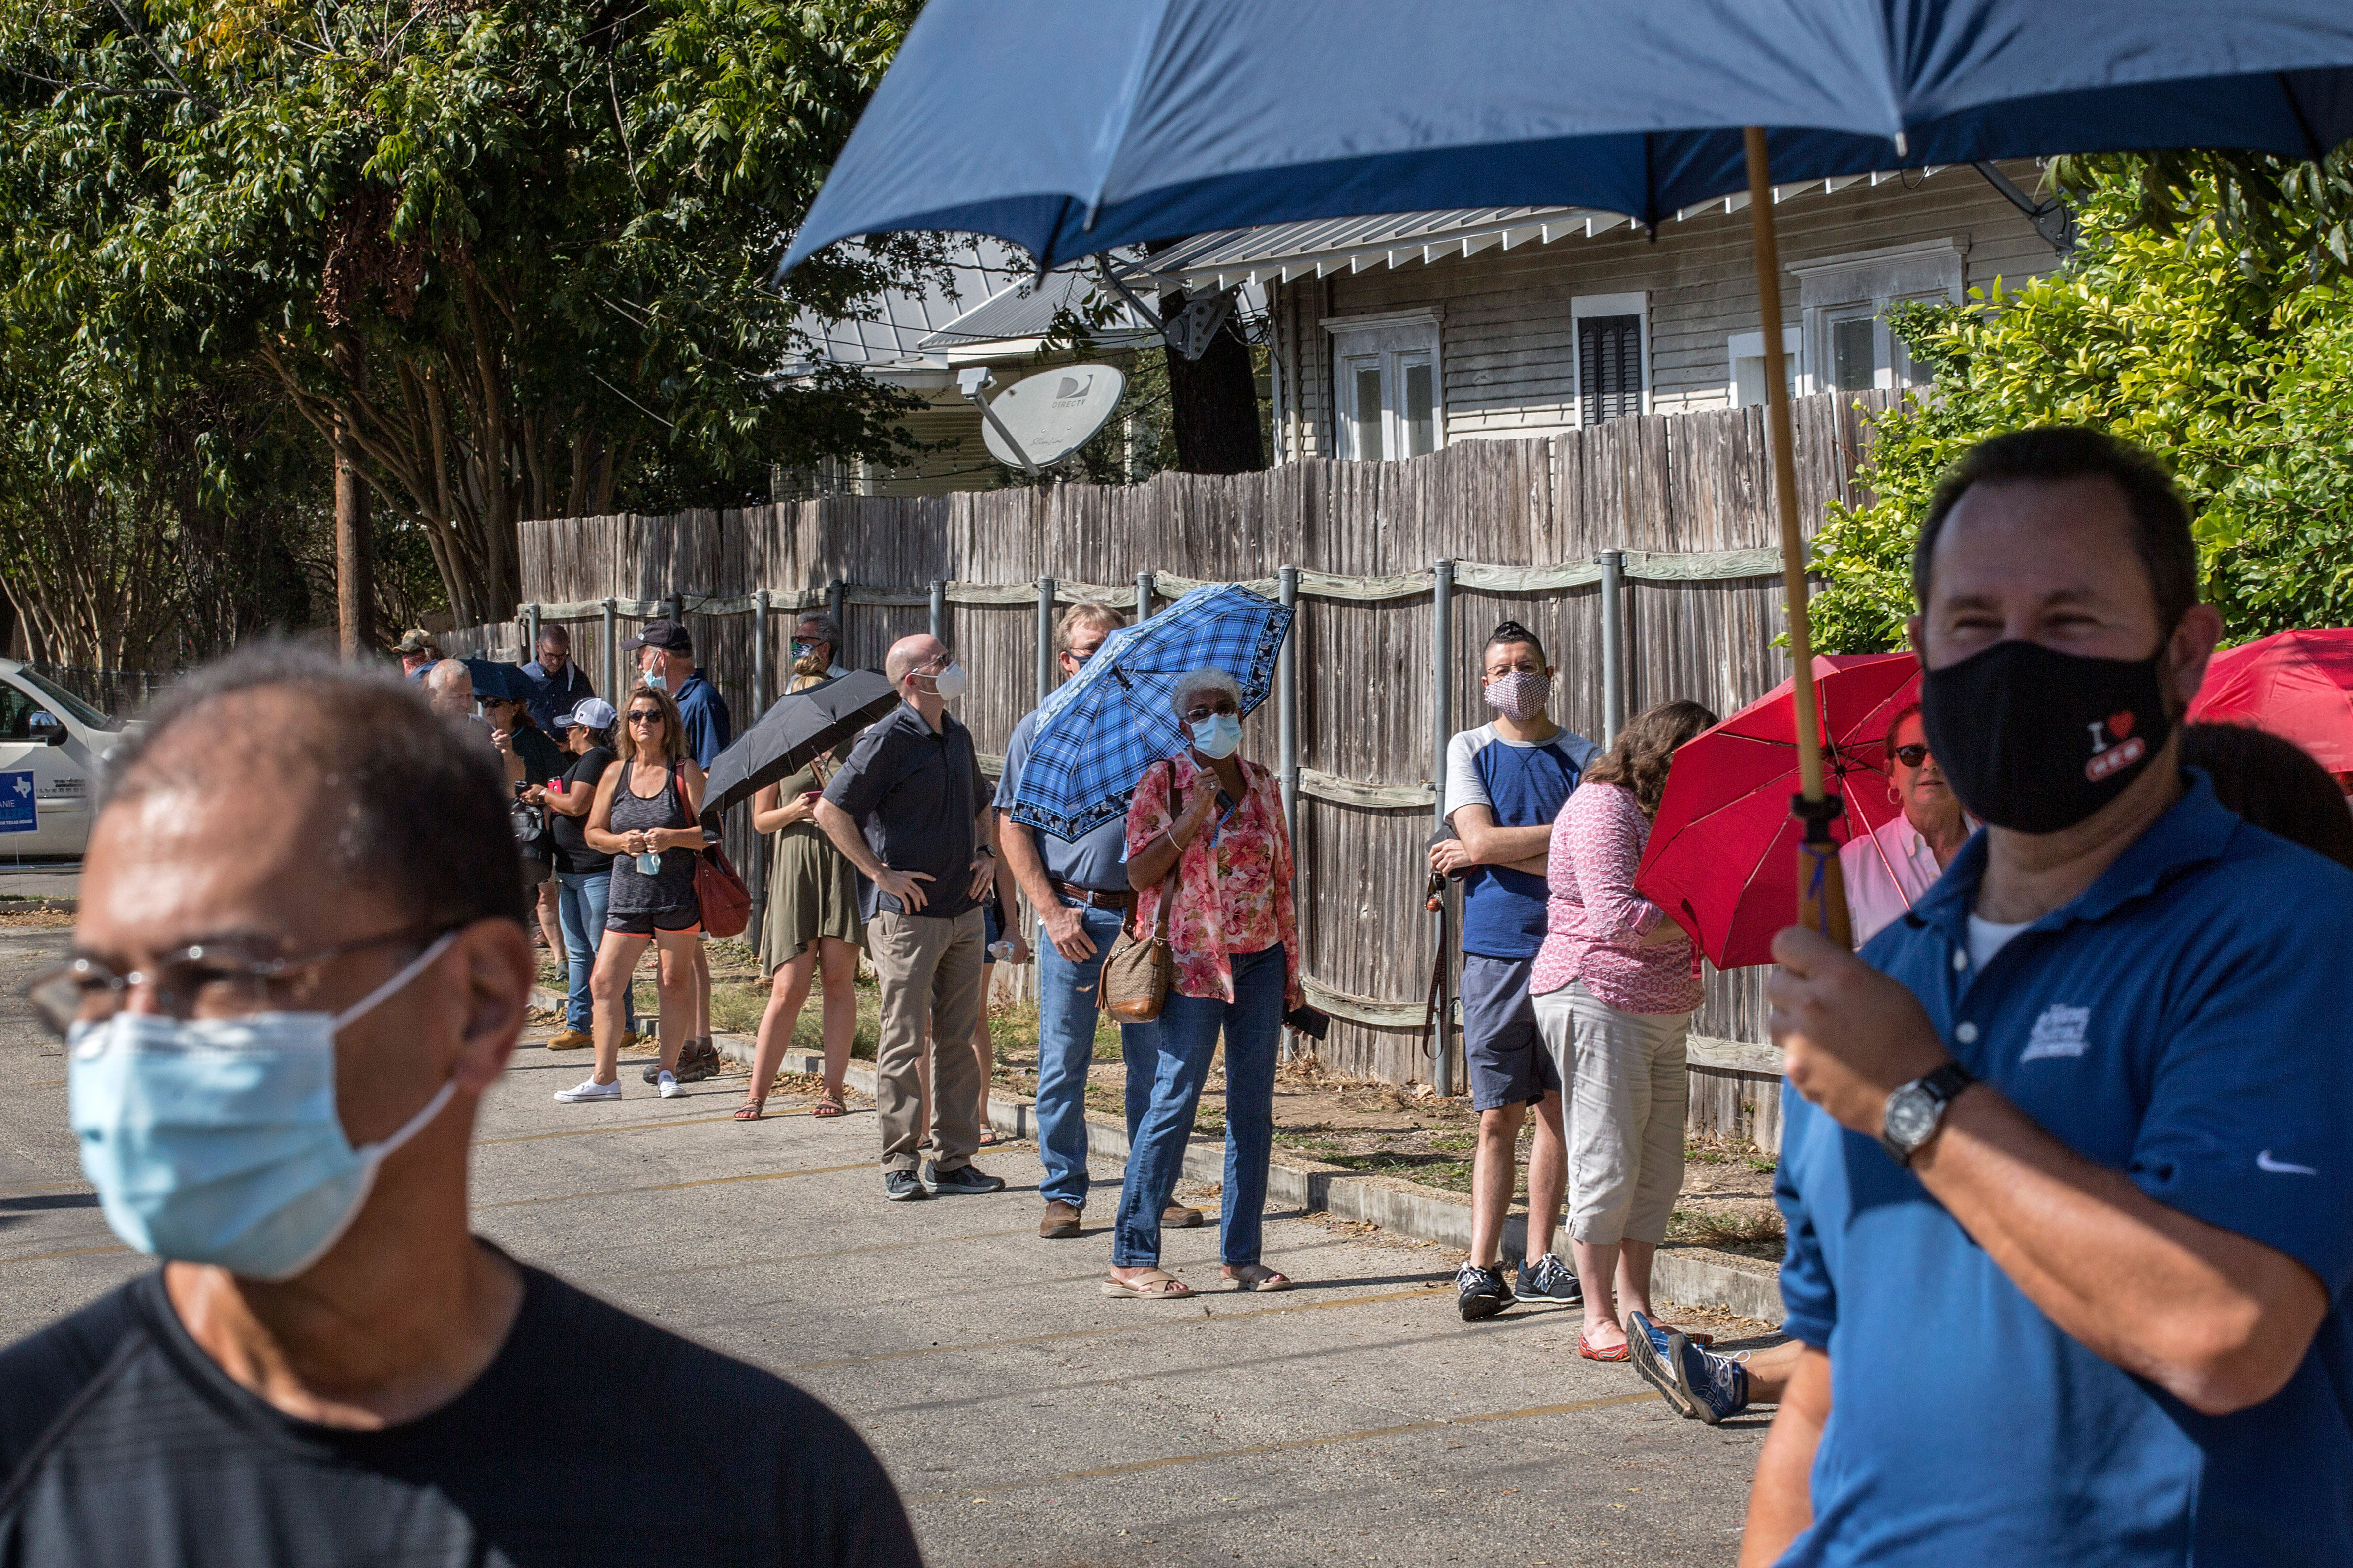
(1213, 403)
(354, 567)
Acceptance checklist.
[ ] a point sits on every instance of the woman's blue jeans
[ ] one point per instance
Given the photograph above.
(1178, 1066)
(580, 910)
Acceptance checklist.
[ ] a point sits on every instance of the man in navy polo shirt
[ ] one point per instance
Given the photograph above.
(2069, 1199)
(1505, 783)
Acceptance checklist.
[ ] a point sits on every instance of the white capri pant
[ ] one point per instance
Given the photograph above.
(1622, 1099)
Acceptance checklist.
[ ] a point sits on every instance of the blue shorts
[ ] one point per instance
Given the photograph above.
(1501, 1044)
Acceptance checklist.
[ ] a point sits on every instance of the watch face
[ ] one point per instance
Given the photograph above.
(1911, 1116)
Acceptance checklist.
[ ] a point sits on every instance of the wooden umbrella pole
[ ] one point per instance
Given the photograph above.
(1821, 895)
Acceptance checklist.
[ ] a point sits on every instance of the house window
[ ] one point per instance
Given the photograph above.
(1843, 301)
(1746, 352)
(1387, 386)
(1613, 355)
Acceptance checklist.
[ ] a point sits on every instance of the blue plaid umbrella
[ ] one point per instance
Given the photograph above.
(1099, 731)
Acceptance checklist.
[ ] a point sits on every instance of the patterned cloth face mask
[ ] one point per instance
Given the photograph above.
(1519, 696)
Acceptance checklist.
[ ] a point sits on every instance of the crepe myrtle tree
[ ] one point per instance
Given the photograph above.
(505, 257)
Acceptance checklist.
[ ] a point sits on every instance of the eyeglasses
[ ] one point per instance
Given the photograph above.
(1223, 705)
(1913, 756)
(204, 981)
(646, 716)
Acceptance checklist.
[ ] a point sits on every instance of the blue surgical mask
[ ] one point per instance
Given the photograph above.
(216, 1140)
(1218, 735)
(658, 679)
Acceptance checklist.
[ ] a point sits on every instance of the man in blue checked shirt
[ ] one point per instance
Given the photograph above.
(2069, 1196)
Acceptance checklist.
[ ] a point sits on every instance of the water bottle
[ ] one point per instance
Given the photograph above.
(1001, 949)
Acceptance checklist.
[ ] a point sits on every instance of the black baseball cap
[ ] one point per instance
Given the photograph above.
(669, 636)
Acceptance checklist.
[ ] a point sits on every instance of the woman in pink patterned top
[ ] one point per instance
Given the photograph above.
(1216, 822)
(1615, 985)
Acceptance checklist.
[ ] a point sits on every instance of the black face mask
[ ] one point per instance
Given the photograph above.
(2036, 741)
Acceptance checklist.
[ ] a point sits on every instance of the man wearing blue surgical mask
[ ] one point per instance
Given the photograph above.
(297, 972)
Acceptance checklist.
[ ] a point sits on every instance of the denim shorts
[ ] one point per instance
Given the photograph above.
(1501, 1044)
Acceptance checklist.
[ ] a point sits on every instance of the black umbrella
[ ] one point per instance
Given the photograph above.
(801, 726)
(499, 682)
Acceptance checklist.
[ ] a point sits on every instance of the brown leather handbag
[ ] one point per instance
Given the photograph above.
(1139, 970)
(724, 903)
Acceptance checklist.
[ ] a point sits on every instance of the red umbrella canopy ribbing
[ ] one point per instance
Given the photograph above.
(2298, 685)
(1723, 853)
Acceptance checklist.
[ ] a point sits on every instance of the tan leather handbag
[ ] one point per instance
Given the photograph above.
(1138, 970)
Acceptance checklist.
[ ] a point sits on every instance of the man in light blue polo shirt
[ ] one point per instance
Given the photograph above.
(2066, 1172)
(1079, 888)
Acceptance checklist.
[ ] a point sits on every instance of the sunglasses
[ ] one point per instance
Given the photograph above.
(1913, 756)
(649, 716)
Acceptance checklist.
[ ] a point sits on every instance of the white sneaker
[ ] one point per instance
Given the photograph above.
(668, 1085)
(589, 1088)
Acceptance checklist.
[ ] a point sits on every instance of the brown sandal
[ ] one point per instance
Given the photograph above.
(752, 1110)
(1158, 1286)
(829, 1105)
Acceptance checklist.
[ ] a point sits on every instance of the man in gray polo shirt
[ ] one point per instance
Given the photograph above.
(910, 810)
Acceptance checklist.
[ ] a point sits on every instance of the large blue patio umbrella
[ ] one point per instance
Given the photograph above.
(1113, 125)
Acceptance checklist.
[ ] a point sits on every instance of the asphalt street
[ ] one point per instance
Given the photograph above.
(1025, 1418)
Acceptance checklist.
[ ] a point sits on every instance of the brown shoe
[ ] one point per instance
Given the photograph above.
(571, 1040)
(1177, 1216)
(1060, 1224)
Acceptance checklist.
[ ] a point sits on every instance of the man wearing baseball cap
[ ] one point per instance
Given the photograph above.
(583, 875)
(417, 652)
(666, 660)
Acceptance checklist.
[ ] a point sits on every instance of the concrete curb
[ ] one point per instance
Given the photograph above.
(12, 905)
(1693, 1276)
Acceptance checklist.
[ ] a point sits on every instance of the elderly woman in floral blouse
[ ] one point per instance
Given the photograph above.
(1218, 821)
(1615, 985)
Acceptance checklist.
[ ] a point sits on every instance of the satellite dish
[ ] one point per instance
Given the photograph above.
(1046, 418)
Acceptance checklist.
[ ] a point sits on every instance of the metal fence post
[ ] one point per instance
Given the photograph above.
(1144, 596)
(1441, 636)
(612, 648)
(1613, 644)
(1044, 638)
(836, 603)
(939, 609)
(531, 634)
(677, 609)
(1286, 705)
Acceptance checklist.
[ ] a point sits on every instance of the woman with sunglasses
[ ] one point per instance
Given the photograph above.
(644, 816)
(1215, 821)
(1887, 872)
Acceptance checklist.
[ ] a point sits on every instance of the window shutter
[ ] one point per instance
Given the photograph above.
(1608, 367)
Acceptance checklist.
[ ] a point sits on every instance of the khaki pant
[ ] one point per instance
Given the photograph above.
(927, 965)
(1623, 1097)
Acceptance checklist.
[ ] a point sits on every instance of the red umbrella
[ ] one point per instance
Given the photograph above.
(1723, 854)
(2298, 685)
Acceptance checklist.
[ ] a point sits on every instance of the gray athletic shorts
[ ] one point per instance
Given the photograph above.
(1509, 1064)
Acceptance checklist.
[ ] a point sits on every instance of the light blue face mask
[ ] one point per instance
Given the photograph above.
(1218, 735)
(658, 679)
(216, 1140)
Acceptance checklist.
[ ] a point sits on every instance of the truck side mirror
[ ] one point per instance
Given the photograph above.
(45, 728)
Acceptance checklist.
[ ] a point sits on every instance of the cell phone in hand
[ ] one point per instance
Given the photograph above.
(1309, 1021)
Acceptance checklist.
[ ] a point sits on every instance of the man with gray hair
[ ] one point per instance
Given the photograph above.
(299, 968)
(816, 648)
(910, 808)
(1079, 888)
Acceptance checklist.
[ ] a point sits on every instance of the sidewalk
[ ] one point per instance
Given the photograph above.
(1695, 1276)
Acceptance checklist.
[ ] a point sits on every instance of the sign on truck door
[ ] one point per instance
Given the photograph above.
(44, 788)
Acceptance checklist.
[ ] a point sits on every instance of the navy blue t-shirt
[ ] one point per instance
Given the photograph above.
(1524, 786)
(2182, 1021)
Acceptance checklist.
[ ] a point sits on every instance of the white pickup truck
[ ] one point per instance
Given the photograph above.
(53, 752)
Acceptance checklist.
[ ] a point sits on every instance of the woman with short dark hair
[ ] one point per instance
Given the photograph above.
(1615, 985)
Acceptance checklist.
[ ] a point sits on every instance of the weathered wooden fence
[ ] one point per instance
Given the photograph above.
(1687, 496)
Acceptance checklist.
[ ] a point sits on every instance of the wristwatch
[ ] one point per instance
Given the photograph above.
(1916, 1110)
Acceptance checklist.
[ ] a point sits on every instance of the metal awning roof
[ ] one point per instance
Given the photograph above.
(1324, 246)
(1022, 312)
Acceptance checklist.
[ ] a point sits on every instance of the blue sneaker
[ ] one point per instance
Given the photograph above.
(1700, 1384)
(1548, 1279)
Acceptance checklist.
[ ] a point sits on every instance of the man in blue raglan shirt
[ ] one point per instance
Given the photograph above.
(1505, 783)
(2066, 1174)
(666, 658)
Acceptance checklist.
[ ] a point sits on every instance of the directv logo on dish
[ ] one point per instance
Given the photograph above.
(1071, 389)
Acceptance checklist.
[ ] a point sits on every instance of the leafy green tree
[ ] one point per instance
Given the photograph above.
(516, 251)
(2217, 334)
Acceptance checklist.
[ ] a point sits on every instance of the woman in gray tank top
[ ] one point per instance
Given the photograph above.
(644, 817)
